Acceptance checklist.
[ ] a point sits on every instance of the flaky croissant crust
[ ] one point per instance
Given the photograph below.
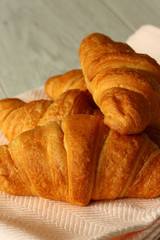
(57, 85)
(124, 84)
(79, 159)
(16, 116)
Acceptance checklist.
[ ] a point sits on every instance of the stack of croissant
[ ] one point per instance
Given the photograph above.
(97, 138)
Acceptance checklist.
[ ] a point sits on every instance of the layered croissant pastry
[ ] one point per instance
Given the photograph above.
(56, 85)
(16, 116)
(53, 91)
(99, 139)
(124, 84)
(79, 159)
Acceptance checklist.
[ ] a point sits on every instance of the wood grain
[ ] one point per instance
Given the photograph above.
(41, 38)
(3, 93)
(136, 13)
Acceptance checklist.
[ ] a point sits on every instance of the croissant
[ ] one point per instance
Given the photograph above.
(79, 159)
(153, 134)
(17, 116)
(124, 84)
(57, 85)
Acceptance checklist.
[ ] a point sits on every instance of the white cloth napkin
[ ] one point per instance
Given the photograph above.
(35, 218)
(146, 40)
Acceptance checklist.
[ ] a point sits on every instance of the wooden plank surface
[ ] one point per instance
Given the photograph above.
(3, 93)
(40, 38)
(136, 13)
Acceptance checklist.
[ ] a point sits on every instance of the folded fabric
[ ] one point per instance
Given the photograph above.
(146, 40)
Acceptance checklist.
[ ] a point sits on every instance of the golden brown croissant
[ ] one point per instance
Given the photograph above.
(79, 159)
(17, 116)
(124, 84)
(153, 134)
(57, 85)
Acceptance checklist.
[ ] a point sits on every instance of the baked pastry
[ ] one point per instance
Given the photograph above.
(124, 84)
(153, 134)
(79, 159)
(57, 85)
(16, 116)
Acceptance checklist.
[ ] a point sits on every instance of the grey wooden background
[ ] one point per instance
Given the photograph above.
(41, 38)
